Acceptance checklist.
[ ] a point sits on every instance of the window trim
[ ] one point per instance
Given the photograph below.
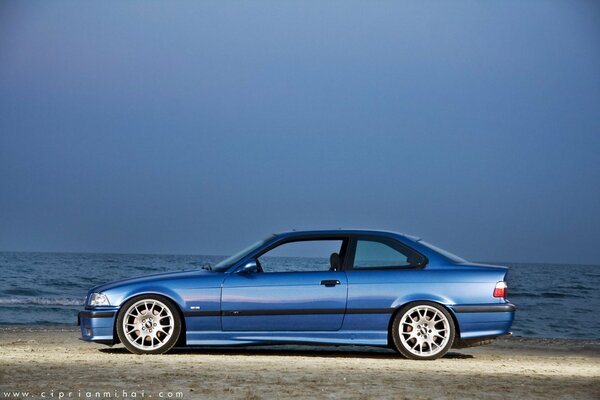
(393, 243)
(346, 240)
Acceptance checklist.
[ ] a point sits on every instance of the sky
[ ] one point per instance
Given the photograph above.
(200, 127)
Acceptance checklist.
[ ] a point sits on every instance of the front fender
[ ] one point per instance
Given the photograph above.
(121, 296)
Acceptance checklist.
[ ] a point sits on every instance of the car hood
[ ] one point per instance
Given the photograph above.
(154, 278)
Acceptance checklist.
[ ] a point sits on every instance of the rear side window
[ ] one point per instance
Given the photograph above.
(375, 254)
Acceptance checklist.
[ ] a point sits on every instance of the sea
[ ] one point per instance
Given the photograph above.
(45, 289)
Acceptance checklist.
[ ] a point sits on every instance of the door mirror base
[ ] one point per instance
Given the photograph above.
(251, 267)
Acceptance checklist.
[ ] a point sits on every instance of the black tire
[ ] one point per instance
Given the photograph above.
(160, 321)
(420, 338)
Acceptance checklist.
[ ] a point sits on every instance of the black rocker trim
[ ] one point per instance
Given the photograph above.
(304, 311)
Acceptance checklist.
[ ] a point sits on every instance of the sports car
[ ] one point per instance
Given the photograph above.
(354, 287)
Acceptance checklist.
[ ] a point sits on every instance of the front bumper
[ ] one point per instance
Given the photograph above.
(97, 325)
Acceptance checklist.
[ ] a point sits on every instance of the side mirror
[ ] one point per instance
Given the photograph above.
(250, 268)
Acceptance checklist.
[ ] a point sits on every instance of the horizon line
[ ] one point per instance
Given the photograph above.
(224, 255)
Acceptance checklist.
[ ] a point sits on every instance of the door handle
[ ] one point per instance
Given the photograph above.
(330, 282)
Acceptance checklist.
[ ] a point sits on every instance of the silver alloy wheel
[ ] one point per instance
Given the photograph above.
(424, 331)
(148, 324)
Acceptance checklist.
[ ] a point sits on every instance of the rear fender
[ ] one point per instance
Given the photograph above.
(399, 302)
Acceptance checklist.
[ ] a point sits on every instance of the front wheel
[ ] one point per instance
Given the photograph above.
(149, 324)
(423, 331)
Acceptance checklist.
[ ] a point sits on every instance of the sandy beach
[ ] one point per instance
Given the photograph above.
(53, 362)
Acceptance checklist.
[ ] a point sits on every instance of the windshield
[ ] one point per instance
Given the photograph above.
(447, 254)
(225, 264)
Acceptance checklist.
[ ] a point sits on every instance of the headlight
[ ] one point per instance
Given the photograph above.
(98, 299)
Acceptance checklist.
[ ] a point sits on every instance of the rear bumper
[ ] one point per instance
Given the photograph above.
(484, 320)
(484, 308)
(97, 325)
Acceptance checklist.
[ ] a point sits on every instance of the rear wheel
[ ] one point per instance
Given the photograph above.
(149, 324)
(423, 331)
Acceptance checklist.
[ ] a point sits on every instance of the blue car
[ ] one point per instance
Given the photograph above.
(352, 287)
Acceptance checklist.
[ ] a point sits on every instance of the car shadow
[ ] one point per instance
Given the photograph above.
(292, 351)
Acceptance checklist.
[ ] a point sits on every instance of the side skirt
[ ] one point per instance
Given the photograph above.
(218, 338)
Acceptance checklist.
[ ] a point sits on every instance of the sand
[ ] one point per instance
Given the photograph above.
(53, 362)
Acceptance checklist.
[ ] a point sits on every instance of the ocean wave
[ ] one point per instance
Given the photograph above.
(545, 295)
(555, 295)
(42, 301)
(28, 292)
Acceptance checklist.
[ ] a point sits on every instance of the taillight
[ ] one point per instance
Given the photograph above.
(500, 289)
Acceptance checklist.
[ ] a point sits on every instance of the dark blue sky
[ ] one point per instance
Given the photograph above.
(198, 127)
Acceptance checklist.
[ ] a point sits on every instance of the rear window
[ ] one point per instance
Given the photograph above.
(443, 252)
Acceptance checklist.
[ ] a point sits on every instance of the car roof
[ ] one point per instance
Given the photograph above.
(358, 232)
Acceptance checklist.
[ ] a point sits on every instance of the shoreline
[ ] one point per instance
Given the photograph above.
(501, 339)
(75, 327)
(40, 359)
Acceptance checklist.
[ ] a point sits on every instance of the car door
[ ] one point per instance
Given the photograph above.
(307, 297)
(381, 270)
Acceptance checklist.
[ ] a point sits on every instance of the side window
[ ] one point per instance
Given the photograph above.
(303, 256)
(374, 254)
